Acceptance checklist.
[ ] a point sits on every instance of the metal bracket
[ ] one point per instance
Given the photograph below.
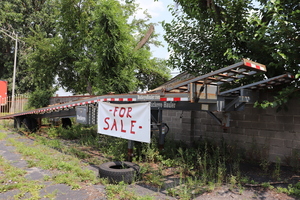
(214, 117)
(236, 103)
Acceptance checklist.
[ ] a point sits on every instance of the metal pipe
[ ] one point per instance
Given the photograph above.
(130, 150)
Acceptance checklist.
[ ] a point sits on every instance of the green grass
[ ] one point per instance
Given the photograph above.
(13, 178)
(69, 169)
(120, 191)
(199, 169)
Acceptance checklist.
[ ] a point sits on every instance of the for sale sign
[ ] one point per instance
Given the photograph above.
(128, 121)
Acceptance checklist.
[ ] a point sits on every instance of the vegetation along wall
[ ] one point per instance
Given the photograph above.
(259, 133)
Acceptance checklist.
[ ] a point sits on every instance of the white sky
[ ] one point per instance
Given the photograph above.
(160, 12)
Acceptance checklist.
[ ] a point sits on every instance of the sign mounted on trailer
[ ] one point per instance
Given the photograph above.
(128, 121)
(82, 114)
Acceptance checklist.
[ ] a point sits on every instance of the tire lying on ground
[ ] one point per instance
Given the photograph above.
(118, 171)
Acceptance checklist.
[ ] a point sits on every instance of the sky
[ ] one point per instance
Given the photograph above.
(160, 12)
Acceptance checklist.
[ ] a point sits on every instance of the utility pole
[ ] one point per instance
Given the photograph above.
(7, 33)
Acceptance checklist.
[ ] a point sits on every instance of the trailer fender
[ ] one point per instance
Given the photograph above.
(118, 171)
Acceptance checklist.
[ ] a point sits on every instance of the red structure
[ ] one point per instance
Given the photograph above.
(3, 92)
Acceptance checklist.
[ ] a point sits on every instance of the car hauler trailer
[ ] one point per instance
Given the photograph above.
(184, 92)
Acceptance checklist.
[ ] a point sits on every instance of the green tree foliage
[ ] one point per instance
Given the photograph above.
(84, 46)
(40, 97)
(24, 18)
(210, 34)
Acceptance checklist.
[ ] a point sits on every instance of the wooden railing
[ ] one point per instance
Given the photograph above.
(7, 106)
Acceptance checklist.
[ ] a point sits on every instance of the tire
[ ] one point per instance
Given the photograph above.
(18, 122)
(34, 125)
(119, 171)
(66, 123)
(27, 123)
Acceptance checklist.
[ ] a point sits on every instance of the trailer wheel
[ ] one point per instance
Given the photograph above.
(66, 122)
(34, 124)
(119, 171)
(27, 123)
(18, 122)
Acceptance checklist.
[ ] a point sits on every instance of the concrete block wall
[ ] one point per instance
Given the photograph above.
(261, 133)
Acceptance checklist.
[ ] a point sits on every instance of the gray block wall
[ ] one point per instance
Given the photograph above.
(260, 133)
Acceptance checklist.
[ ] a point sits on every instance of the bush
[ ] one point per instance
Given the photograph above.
(40, 98)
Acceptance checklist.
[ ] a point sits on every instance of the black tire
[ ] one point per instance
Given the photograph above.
(119, 171)
(27, 123)
(66, 122)
(18, 122)
(34, 125)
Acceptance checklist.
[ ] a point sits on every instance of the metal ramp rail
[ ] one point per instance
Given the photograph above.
(218, 77)
(268, 83)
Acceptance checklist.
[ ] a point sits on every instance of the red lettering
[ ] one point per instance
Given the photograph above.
(132, 125)
(122, 130)
(116, 109)
(129, 110)
(114, 125)
(105, 120)
(122, 112)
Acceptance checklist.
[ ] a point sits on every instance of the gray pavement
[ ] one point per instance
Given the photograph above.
(61, 191)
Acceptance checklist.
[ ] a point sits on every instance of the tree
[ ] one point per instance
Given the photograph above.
(211, 34)
(87, 46)
(96, 47)
(28, 19)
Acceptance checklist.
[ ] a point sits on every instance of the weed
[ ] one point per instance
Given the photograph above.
(121, 192)
(13, 178)
(276, 172)
(265, 165)
(154, 178)
(266, 185)
(2, 136)
(290, 190)
(70, 168)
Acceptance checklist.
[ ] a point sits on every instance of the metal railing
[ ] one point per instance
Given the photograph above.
(20, 103)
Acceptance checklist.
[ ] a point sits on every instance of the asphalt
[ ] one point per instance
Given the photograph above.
(62, 191)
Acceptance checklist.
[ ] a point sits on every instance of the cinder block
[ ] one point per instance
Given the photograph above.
(275, 126)
(251, 132)
(201, 114)
(267, 118)
(297, 119)
(267, 133)
(292, 127)
(284, 119)
(245, 124)
(234, 130)
(251, 117)
(280, 151)
(263, 141)
(186, 120)
(207, 120)
(259, 125)
(275, 142)
(288, 143)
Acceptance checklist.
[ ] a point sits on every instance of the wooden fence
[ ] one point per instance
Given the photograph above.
(7, 106)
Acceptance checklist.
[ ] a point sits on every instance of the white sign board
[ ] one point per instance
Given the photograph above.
(128, 121)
